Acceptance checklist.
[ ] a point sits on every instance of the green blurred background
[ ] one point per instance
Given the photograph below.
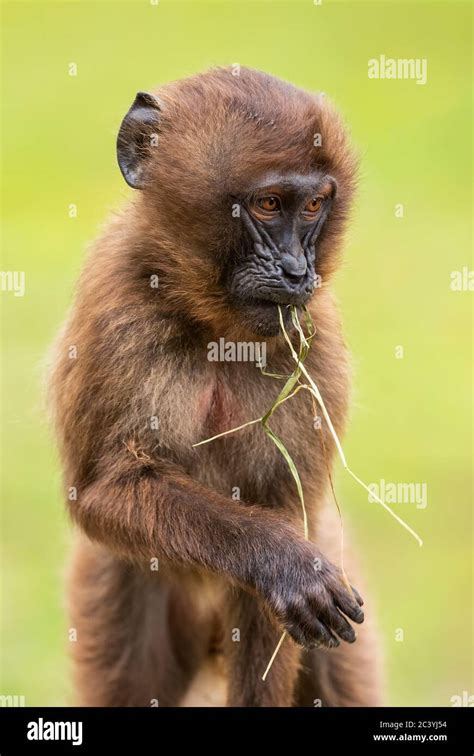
(411, 418)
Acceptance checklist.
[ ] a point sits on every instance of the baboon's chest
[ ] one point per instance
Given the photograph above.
(242, 460)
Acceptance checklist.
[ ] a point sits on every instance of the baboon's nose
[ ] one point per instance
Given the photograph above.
(295, 267)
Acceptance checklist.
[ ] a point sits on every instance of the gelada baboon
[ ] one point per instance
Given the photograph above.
(195, 557)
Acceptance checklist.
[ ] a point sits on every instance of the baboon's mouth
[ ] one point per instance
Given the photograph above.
(262, 317)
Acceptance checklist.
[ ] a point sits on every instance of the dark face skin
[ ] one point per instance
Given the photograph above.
(282, 219)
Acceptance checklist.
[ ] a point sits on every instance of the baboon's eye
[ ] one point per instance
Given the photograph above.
(312, 207)
(270, 204)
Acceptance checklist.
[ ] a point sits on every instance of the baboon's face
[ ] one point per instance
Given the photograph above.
(282, 217)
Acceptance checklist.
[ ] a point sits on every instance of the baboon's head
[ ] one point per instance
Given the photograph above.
(246, 181)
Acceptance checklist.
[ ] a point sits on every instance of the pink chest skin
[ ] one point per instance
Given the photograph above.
(219, 409)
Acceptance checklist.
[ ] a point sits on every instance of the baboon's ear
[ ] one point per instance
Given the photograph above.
(137, 136)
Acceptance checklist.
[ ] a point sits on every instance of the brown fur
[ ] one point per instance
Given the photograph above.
(141, 353)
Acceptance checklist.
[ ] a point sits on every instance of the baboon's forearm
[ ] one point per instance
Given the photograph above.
(142, 510)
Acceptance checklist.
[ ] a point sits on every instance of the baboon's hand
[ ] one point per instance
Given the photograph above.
(309, 597)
